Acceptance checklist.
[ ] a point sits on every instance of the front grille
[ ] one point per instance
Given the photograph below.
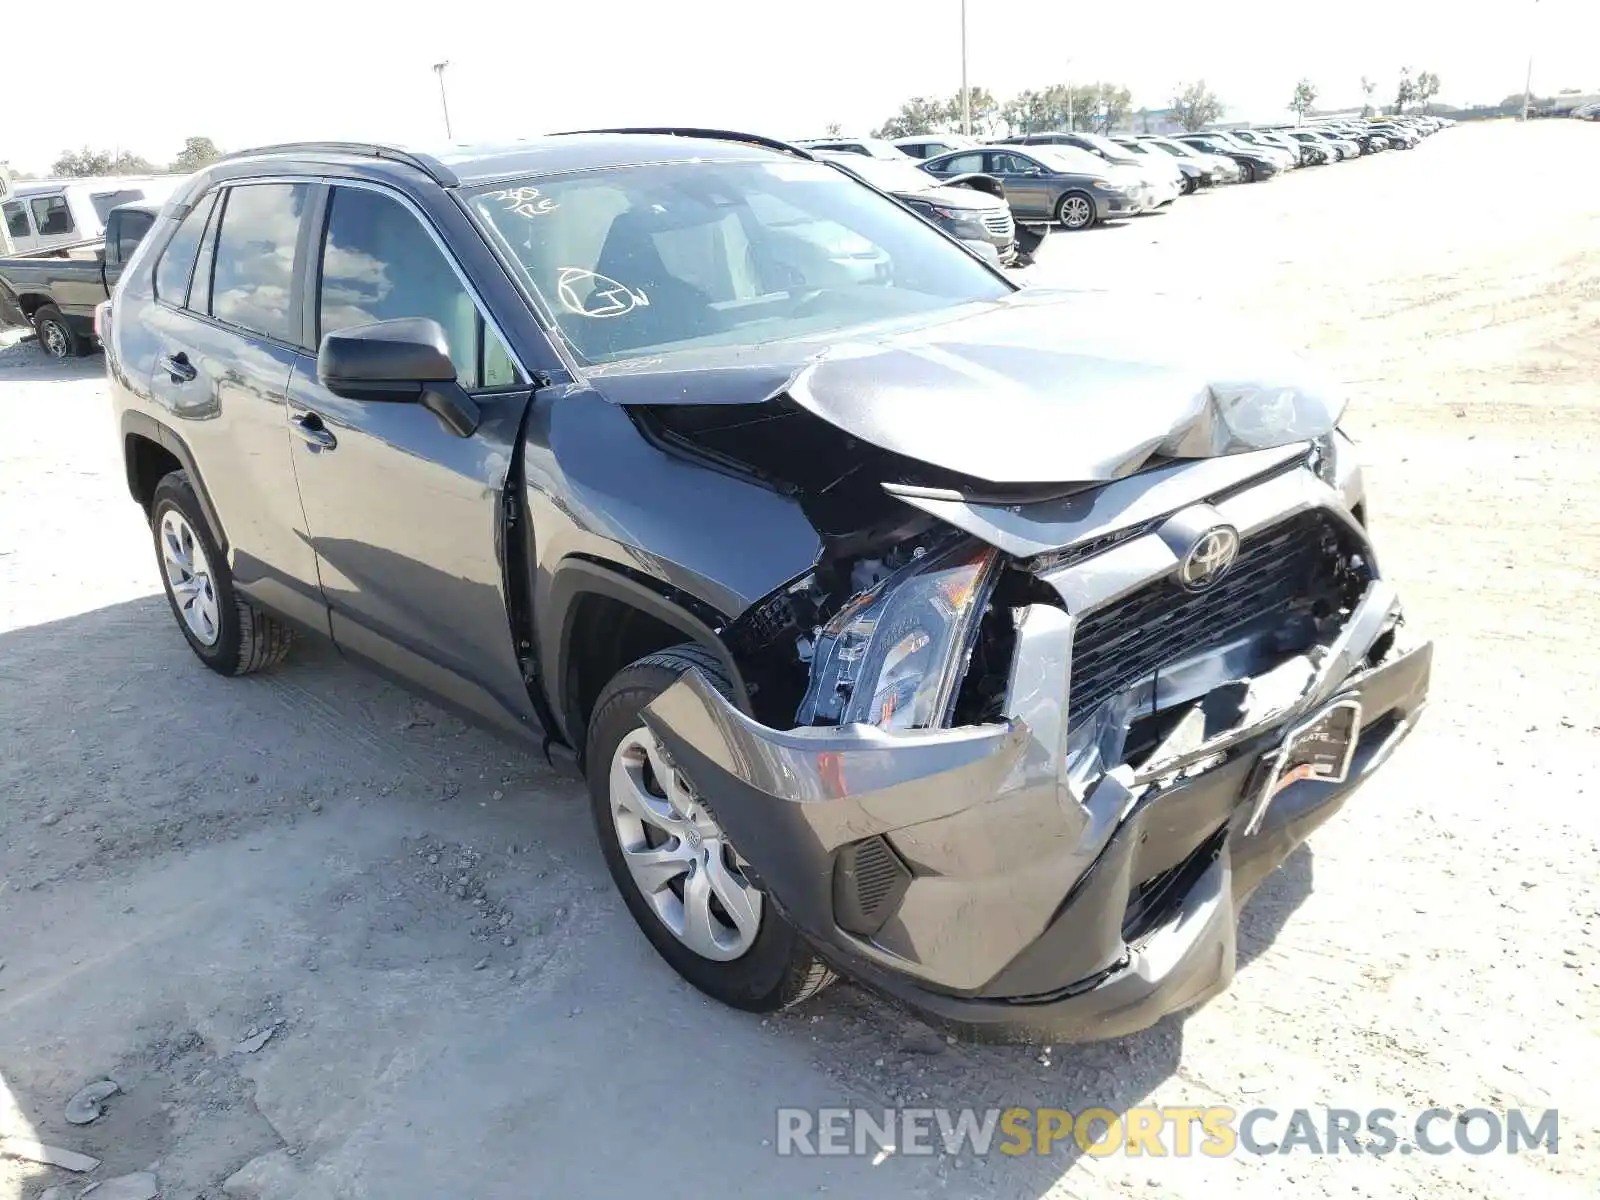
(1286, 569)
(998, 223)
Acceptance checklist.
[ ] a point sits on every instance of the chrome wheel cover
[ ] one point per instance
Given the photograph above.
(189, 581)
(678, 855)
(54, 339)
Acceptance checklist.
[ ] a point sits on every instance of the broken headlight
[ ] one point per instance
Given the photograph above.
(893, 656)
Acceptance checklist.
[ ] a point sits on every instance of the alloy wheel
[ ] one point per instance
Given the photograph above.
(678, 855)
(189, 576)
(54, 339)
(1076, 212)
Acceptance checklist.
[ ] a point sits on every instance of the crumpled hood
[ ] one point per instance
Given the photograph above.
(1043, 386)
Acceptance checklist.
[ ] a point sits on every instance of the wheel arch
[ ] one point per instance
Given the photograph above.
(29, 303)
(149, 451)
(604, 616)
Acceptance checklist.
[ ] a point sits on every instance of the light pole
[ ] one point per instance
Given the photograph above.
(1527, 83)
(1068, 65)
(438, 69)
(966, 96)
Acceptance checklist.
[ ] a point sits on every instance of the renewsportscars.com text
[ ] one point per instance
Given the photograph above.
(1176, 1131)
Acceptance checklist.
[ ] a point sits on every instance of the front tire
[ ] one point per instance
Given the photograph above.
(228, 634)
(680, 877)
(1076, 211)
(57, 337)
(1247, 172)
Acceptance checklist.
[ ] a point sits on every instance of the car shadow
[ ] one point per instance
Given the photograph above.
(22, 360)
(129, 683)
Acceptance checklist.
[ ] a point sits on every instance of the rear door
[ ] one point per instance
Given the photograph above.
(227, 322)
(406, 517)
(1028, 188)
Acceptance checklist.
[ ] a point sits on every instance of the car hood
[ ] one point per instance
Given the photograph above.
(1038, 387)
(957, 197)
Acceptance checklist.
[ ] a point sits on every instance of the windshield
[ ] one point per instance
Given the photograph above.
(1172, 148)
(891, 176)
(674, 255)
(1107, 147)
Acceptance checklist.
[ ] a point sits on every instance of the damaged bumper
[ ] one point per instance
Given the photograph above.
(1034, 876)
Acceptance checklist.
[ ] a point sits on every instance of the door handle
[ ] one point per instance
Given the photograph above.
(313, 432)
(178, 367)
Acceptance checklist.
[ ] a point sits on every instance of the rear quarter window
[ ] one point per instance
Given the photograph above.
(16, 218)
(177, 259)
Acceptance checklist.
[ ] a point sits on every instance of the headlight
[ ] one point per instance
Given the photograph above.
(949, 214)
(893, 656)
(1324, 459)
(1105, 185)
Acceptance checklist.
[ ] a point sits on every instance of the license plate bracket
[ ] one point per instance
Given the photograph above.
(1319, 748)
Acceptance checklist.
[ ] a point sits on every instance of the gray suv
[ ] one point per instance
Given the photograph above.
(904, 624)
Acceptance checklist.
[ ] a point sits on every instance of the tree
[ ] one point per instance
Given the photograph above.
(1367, 88)
(984, 110)
(1405, 92)
(831, 129)
(1427, 87)
(86, 162)
(1304, 98)
(1030, 111)
(197, 152)
(1108, 106)
(1195, 106)
(920, 114)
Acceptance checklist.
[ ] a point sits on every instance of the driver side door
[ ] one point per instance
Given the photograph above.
(1028, 189)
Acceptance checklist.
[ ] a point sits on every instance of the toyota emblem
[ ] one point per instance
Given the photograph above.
(1209, 558)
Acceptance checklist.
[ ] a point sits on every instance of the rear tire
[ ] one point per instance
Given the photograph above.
(1247, 172)
(57, 338)
(230, 635)
(772, 968)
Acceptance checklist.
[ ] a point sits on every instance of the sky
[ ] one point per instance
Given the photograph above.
(247, 75)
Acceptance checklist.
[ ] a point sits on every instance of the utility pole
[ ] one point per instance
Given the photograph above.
(444, 103)
(966, 96)
(1527, 84)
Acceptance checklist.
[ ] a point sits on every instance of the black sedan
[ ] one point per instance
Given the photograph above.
(1254, 163)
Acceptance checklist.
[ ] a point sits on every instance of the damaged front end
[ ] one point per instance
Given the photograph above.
(1016, 759)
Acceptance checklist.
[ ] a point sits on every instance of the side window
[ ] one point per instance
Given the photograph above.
(177, 260)
(51, 215)
(379, 264)
(1010, 164)
(131, 228)
(252, 282)
(16, 218)
(961, 164)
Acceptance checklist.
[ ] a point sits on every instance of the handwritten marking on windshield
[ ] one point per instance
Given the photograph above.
(524, 201)
(606, 298)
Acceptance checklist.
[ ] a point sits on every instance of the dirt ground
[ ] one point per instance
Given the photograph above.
(458, 1004)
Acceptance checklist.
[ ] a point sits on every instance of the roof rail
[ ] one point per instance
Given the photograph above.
(426, 163)
(691, 131)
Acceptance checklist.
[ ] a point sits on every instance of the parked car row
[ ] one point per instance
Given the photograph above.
(1077, 179)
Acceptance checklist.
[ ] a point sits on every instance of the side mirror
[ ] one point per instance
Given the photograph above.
(404, 361)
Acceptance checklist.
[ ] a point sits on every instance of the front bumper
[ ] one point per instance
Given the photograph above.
(984, 877)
